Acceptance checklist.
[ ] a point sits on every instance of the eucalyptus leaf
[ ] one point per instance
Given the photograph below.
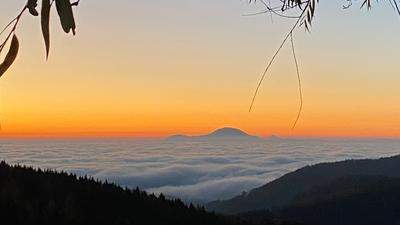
(11, 55)
(31, 5)
(64, 10)
(45, 22)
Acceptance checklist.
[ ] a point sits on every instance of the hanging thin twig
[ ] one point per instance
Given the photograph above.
(300, 18)
(307, 8)
(396, 6)
(299, 82)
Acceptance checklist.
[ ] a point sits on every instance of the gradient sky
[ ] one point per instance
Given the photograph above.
(155, 68)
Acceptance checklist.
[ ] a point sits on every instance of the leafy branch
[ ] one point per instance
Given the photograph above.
(65, 13)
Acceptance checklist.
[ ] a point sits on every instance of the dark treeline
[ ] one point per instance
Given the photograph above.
(281, 192)
(352, 200)
(43, 197)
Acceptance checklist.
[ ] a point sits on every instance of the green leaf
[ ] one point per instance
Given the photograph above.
(64, 9)
(11, 55)
(45, 22)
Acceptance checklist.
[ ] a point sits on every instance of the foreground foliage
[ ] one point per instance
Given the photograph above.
(67, 20)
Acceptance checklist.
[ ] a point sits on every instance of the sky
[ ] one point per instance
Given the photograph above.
(156, 68)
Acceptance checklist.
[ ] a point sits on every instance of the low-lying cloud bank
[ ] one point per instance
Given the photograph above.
(197, 171)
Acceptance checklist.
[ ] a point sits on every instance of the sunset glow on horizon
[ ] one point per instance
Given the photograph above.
(158, 68)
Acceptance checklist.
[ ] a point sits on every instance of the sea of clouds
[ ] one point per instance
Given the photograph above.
(197, 171)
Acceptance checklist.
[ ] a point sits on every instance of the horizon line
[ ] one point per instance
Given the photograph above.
(137, 135)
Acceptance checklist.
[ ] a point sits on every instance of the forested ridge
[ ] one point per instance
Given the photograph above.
(351, 200)
(31, 196)
(281, 192)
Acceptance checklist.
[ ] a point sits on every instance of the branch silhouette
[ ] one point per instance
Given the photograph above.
(305, 15)
(65, 13)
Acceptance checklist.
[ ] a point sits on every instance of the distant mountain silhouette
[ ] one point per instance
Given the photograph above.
(226, 133)
(283, 191)
(178, 137)
(274, 138)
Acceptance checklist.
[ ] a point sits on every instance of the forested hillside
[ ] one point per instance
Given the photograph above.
(353, 200)
(366, 200)
(281, 192)
(37, 197)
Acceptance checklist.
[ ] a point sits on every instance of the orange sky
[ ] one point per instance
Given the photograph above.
(156, 68)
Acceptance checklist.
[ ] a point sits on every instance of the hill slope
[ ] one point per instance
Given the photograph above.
(353, 200)
(282, 191)
(29, 196)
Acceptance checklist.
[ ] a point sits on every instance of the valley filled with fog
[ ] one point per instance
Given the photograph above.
(194, 170)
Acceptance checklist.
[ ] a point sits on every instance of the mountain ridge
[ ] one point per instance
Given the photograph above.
(352, 200)
(349, 200)
(282, 191)
(230, 133)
